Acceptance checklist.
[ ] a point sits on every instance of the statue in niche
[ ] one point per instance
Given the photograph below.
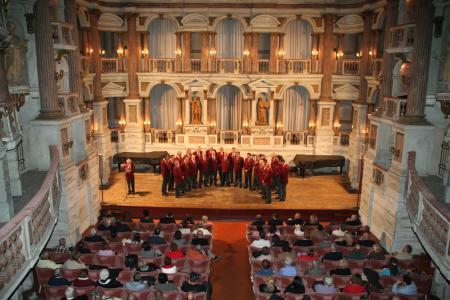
(15, 57)
(263, 111)
(196, 109)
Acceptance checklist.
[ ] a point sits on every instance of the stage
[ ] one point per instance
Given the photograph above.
(322, 194)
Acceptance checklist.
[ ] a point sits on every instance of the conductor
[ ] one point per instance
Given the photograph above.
(129, 175)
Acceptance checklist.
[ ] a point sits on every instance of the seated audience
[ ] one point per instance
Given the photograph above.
(356, 254)
(405, 254)
(265, 254)
(313, 222)
(45, 262)
(296, 286)
(373, 281)
(163, 284)
(73, 263)
(204, 222)
(286, 253)
(261, 242)
(156, 238)
(122, 227)
(168, 219)
(174, 252)
(326, 287)
(392, 269)
(333, 255)
(258, 221)
(347, 241)
(105, 281)
(149, 252)
(277, 242)
(189, 220)
(81, 248)
(275, 220)
(305, 241)
(343, 268)
(355, 285)
(57, 279)
(316, 269)
(103, 223)
(198, 228)
(353, 221)
(288, 269)
(306, 255)
(137, 284)
(338, 232)
(298, 230)
(377, 253)
(185, 229)
(126, 218)
(297, 220)
(168, 267)
(135, 240)
(148, 267)
(146, 217)
(93, 237)
(405, 287)
(273, 230)
(269, 286)
(178, 239)
(114, 238)
(199, 239)
(106, 251)
(193, 285)
(61, 247)
(365, 240)
(83, 280)
(266, 269)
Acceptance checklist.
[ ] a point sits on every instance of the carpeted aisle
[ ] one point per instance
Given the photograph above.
(230, 277)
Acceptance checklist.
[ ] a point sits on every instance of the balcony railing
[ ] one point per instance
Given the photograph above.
(228, 137)
(163, 136)
(395, 108)
(68, 104)
(229, 65)
(430, 218)
(24, 236)
(196, 65)
(85, 65)
(263, 66)
(347, 67)
(162, 65)
(110, 65)
(376, 66)
(343, 139)
(298, 66)
(62, 36)
(401, 38)
(296, 137)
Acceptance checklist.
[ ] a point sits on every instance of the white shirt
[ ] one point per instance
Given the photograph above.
(260, 243)
(185, 230)
(338, 232)
(205, 231)
(172, 270)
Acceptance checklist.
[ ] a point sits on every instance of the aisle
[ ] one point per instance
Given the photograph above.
(230, 276)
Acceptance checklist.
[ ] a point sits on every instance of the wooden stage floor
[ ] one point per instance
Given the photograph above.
(314, 193)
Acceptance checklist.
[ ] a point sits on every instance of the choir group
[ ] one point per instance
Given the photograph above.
(182, 173)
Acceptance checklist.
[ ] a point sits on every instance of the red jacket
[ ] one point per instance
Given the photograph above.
(248, 165)
(192, 168)
(178, 175)
(165, 169)
(276, 167)
(171, 165)
(129, 171)
(185, 170)
(284, 173)
(238, 164)
(354, 289)
(267, 176)
(213, 163)
(204, 164)
(257, 171)
(225, 164)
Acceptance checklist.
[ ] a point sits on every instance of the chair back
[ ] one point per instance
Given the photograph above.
(54, 292)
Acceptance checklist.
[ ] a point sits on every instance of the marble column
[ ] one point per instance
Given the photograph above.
(246, 57)
(132, 57)
(314, 58)
(146, 51)
(204, 38)
(328, 56)
(254, 52)
(74, 56)
(281, 62)
(186, 51)
(46, 62)
(96, 60)
(187, 109)
(178, 60)
(388, 58)
(85, 41)
(253, 120)
(423, 35)
(364, 62)
(273, 52)
(120, 54)
(213, 57)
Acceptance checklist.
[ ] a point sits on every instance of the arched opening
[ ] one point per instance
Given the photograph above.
(162, 38)
(230, 38)
(297, 40)
(229, 108)
(163, 107)
(295, 108)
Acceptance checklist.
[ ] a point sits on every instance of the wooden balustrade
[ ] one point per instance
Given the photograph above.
(24, 236)
(110, 65)
(228, 137)
(263, 66)
(430, 218)
(298, 66)
(296, 137)
(401, 38)
(229, 65)
(395, 108)
(163, 136)
(196, 65)
(161, 65)
(350, 67)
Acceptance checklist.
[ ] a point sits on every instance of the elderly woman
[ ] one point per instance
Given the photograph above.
(105, 282)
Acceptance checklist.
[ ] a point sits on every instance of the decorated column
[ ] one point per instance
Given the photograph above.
(246, 57)
(254, 53)
(204, 38)
(281, 62)
(178, 58)
(186, 52)
(213, 52)
(273, 52)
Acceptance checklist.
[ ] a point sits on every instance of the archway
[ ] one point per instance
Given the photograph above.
(229, 108)
(163, 107)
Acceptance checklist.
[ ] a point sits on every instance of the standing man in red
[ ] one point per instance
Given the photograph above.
(283, 180)
(225, 169)
(178, 178)
(213, 166)
(220, 157)
(165, 172)
(184, 165)
(193, 171)
(248, 167)
(129, 175)
(238, 165)
(171, 164)
(276, 169)
(204, 170)
(267, 181)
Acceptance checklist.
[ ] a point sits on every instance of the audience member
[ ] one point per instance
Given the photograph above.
(93, 237)
(45, 262)
(193, 285)
(146, 217)
(185, 229)
(61, 247)
(266, 269)
(73, 263)
(148, 251)
(313, 222)
(356, 254)
(275, 220)
(338, 232)
(57, 279)
(343, 268)
(135, 240)
(105, 281)
(265, 254)
(178, 239)
(269, 286)
(297, 220)
(405, 287)
(83, 280)
(376, 253)
(296, 286)
(405, 254)
(298, 230)
(355, 285)
(198, 227)
(261, 242)
(168, 219)
(316, 269)
(258, 221)
(163, 284)
(199, 239)
(306, 255)
(174, 252)
(333, 255)
(373, 281)
(277, 242)
(286, 253)
(168, 267)
(137, 284)
(365, 240)
(156, 238)
(326, 287)
(347, 241)
(81, 248)
(288, 269)
(353, 221)
(106, 251)
(392, 269)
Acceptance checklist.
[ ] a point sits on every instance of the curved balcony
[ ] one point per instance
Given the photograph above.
(24, 236)
(430, 218)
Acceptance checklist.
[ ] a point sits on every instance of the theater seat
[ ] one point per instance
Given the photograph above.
(70, 275)
(341, 281)
(94, 246)
(316, 296)
(87, 259)
(59, 258)
(171, 295)
(117, 292)
(141, 295)
(116, 246)
(54, 292)
(125, 276)
(348, 296)
(83, 290)
(178, 278)
(109, 261)
(43, 275)
(133, 248)
(145, 227)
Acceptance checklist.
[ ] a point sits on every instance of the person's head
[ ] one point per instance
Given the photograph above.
(104, 274)
(407, 249)
(137, 277)
(407, 279)
(376, 248)
(273, 228)
(194, 277)
(288, 261)
(137, 237)
(258, 217)
(265, 251)
(328, 281)
(157, 231)
(262, 235)
(177, 163)
(128, 161)
(199, 233)
(69, 293)
(275, 238)
(173, 247)
(297, 215)
(167, 261)
(298, 280)
(177, 235)
(92, 232)
(162, 278)
(83, 273)
(343, 263)
(266, 264)
(62, 242)
(170, 215)
(357, 279)
(45, 255)
(354, 217)
(57, 272)
(204, 219)
(146, 246)
(313, 219)
(365, 236)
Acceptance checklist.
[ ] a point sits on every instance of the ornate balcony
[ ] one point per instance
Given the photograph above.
(196, 65)
(401, 38)
(229, 65)
(62, 36)
(263, 66)
(24, 236)
(162, 136)
(162, 65)
(347, 67)
(430, 218)
(395, 108)
(296, 137)
(298, 66)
